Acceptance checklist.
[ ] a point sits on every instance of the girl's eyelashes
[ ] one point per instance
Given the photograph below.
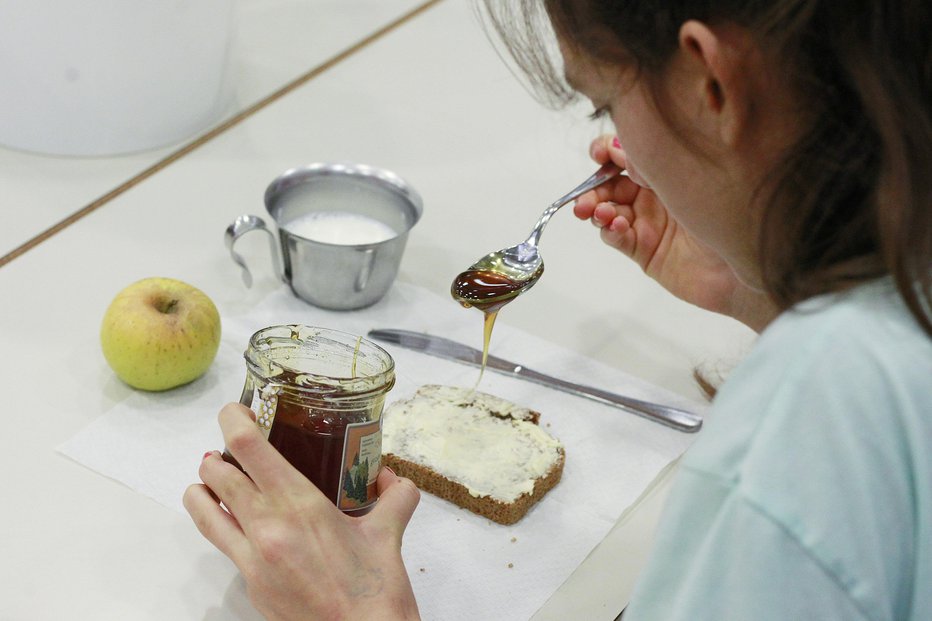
(598, 113)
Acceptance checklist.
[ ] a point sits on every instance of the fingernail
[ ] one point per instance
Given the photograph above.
(616, 143)
(206, 455)
(390, 470)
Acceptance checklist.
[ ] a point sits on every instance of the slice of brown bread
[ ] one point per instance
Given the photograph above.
(476, 450)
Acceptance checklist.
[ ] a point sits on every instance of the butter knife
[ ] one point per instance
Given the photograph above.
(682, 420)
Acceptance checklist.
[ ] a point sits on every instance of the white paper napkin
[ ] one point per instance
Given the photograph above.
(462, 566)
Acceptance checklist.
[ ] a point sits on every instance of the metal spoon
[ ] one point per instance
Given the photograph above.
(520, 265)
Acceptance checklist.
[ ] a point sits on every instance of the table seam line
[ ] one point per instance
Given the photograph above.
(219, 129)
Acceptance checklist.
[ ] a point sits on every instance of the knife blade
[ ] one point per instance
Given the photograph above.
(676, 418)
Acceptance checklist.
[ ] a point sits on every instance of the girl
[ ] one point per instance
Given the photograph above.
(779, 156)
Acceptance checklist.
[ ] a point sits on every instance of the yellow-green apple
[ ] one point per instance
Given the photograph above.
(159, 333)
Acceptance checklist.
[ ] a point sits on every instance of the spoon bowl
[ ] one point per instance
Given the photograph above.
(501, 276)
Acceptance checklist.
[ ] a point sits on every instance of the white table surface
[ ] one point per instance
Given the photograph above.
(274, 42)
(430, 101)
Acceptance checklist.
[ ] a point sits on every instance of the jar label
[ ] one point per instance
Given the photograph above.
(362, 458)
(264, 403)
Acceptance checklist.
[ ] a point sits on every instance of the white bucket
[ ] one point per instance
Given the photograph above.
(105, 77)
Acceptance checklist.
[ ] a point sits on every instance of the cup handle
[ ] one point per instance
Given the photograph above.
(242, 225)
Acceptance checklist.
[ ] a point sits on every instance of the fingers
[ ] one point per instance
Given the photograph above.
(622, 191)
(588, 201)
(217, 526)
(603, 149)
(613, 217)
(265, 465)
(398, 498)
(227, 484)
(614, 220)
(621, 237)
(585, 205)
(607, 147)
(616, 224)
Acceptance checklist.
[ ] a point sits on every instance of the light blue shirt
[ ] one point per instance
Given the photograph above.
(808, 494)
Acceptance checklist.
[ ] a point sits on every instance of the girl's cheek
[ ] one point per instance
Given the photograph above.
(635, 175)
(630, 166)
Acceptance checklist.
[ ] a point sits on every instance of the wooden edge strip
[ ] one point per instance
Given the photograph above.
(214, 132)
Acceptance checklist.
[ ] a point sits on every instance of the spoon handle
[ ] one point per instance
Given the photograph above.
(607, 171)
(603, 174)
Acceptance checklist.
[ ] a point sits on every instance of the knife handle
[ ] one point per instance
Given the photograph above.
(682, 420)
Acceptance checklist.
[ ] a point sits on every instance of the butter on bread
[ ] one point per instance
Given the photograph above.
(476, 450)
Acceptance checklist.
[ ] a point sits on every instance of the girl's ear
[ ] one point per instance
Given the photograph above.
(716, 61)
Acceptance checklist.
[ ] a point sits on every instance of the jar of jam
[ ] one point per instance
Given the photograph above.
(318, 396)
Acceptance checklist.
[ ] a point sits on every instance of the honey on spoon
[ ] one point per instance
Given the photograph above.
(499, 277)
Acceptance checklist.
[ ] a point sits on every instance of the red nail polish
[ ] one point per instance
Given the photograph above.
(207, 454)
(616, 143)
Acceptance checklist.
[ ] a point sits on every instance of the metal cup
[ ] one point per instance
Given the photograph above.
(333, 275)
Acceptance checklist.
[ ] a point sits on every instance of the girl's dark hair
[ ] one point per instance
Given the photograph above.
(854, 197)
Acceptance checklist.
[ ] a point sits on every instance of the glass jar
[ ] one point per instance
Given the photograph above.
(318, 396)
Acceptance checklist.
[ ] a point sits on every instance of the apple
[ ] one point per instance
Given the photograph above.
(159, 333)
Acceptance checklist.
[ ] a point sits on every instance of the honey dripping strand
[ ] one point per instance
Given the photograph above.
(355, 355)
(487, 338)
